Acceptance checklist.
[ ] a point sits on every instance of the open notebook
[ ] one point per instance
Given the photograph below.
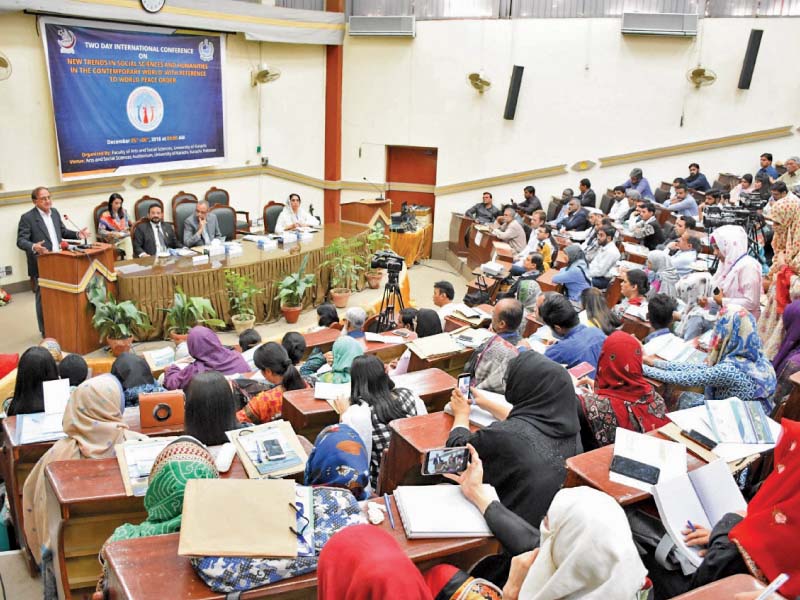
(702, 496)
(440, 511)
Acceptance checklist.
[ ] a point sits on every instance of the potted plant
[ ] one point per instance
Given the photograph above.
(376, 241)
(115, 321)
(241, 295)
(186, 312)
(292, 290)
(343, 263)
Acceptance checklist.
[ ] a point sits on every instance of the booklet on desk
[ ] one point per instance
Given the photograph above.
(331, 391)
(700, 497)
(440, 511)
(733, 420)
(135, 459)
(254, 444)
(435, 345)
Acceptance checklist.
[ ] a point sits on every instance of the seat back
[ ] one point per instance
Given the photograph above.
(606, 202)
(271, 213)
(661, 195)
(161, 409)
(179, 198)
(143, 205)
(97, 212)
(226, 217)
(217, 197)
(554, 207)
(180, 212)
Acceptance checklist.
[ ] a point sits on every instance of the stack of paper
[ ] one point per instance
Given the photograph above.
(472, 338)
(440, 511)
(331, 391)
(130, 269)
(435, 345)
(384, 339)
(135, 459)
(635, 249)
(672, 348)
(252, 444)
(668, 457)
(159, 359)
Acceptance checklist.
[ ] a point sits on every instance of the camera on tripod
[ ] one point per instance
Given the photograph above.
(386, 259)
(747, 212)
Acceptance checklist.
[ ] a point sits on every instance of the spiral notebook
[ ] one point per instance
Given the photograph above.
(440, 511)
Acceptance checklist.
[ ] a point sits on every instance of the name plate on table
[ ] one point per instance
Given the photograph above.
(200, 259)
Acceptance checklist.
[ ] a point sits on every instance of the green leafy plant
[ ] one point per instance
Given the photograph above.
(292, 288)
(377, 240)
(114, 320)
(241, 294)
(343, 261)
(188, 311)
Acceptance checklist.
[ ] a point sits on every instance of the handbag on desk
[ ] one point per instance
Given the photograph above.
(161, 409)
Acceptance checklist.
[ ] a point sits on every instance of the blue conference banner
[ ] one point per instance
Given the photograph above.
(128, 100)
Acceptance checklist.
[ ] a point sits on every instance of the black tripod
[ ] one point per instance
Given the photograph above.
(392, 298)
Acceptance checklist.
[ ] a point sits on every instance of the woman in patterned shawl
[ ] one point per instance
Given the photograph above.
(339, 459)
(622, 397)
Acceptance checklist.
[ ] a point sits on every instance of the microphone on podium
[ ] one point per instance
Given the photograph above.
(380, 191)
(70, 221)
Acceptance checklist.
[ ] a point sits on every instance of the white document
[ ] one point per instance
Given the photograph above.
(472, 338)
(331, 391)
(140, 456)
(736, 421)
(635, 249)
(477, 415)
(184, 252)
(440, 511)
(159, 359)
(324, 369)
(435, 345)
(132, 268)
(637, 311)
(56, 396)
(701, 497)
(39, 427)
(669, 457)
(383, 339)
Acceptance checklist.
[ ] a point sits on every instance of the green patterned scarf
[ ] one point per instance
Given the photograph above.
(182, 460)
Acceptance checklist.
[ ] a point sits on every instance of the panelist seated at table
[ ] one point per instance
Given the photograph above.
(201, 228)
(294, 216)
(154, 237)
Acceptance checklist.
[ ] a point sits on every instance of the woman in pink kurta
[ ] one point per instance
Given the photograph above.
(738, 276)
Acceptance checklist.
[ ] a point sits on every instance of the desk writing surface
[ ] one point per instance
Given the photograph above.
(171, 576)
(724, 588)
(322, 339)
(545, 281)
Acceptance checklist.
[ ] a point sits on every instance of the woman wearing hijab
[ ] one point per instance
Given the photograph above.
(695, 319)
(339, 459)
(293, 216)
(427, 322)
(787, 360)
(664, 277)
(93, 424)
(136, 378)
(622, 397)
(736, 365)
(738, 275)
(36, 365)
(345, 349)
(364, 562)
(574, 277)
(275, 365)
(525, 454)
(209, 355)
(783, 275)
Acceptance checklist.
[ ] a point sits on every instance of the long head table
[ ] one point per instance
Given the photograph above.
(153, 287)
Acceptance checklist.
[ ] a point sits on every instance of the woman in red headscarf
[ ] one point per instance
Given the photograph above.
(622, 397)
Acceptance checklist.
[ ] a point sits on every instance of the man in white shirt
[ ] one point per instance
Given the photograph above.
(443, 294)
(620, 207)
(589, 245)
(510, 230)
(294, 216)
(537, 220)
(688, 247)
(605, 259)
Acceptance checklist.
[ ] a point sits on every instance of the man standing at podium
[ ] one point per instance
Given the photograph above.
(40, 231)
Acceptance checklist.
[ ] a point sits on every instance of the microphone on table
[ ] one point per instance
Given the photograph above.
(70, 221)
(380, 191)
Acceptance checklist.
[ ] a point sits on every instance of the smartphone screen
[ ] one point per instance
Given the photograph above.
(464, 381)
(445, 460)
(273, 449)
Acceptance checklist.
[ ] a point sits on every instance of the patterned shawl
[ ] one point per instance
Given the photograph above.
(736, 341)
(790, 346)
(785, 216)
(339, 459)
(182, 460)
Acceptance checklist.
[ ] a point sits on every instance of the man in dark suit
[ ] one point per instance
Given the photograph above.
(153, 236)
(201, 228)
(40, 231)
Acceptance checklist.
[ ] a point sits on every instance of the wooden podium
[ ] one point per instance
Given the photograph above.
(63, 279)
(367, 212)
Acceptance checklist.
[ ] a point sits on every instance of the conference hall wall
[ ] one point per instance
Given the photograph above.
(293, 121)
(587, 92)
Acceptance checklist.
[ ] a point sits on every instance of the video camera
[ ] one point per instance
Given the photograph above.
(386, 259)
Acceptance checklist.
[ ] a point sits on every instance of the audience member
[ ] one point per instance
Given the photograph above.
(605, 259)
(766, 167)
(484, 212)
(576, 343)
(293, 216)
(443, 295)
(787, 360)
(647, 230)
(621, 396)
(711, 207)
(620, 207)
(577, 218)
(327, 315)
(683, 203)
(525, 287)
(546, 245)
(660, 313)
(427, 323)
(209, 355)
(632, 217)
(784, 283)
(36, 365)
(201, 228)
(698, 315)
(682, 225)
(637, 181)
(687, 249)
(374, 402)
(738, 275)
(597, 312)
(408, 315)
(354, 320)
(696, 180)
(537, 220)
(736, 365)
(154, 237)
(509, 230)
(662, 277)
(135, 376)
(489, 361)
(575, 276)
(277, 368)
(339, 459)
(345, 349)
(531, 203)
(566, 198)
(94, 426)
(791, 179)
(210, 408)
(249, 339)
(633, 287)
(74, 368)
(743, 187)
(587, 197)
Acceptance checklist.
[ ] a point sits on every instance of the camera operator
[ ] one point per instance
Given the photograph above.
(710, 207)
